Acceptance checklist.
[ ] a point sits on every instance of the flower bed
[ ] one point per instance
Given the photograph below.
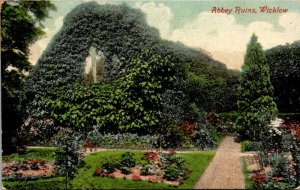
(270, 170)
(27, 170)
(276, 166)
(156, 167)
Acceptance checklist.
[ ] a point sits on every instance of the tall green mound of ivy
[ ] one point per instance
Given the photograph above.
(284, 62)
(120, 33)
(131, 103)
(255, 105)
(61, 65)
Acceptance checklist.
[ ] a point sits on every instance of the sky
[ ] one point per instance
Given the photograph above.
(223, 34)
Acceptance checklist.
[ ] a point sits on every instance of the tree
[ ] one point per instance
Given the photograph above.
(284, 63)
(20, 27)
(256, 105)
(68, 156)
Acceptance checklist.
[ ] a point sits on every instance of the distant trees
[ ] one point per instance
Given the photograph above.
(20, 27)
(214, 89)
(284, 63)
(256, 106)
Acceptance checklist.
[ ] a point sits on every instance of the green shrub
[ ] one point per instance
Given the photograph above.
(218, 136)
(280, 166)
(127, 161)
(277, 185)
(171, 172)
(34, 166)
(172, 137)
(109, 165)
(250, 146)
(173, 166)
(226, 122)
(203, 139)
(144, 168)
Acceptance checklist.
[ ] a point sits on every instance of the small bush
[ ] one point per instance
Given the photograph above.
(277, 185)
(173, 166)
(144, 168)
(34, 166)
(212, 118)
(172, 137)
(109, 165)
(250, 146)
(280, 166)
(189, 128)
(203, 139)
(127, 161)
(258, 180)
(171, 172)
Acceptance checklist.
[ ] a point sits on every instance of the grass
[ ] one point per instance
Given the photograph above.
(51, 183)
(46, 154)
(248, 183)
(198, 162)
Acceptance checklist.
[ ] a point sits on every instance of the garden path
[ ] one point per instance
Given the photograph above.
(225, 170)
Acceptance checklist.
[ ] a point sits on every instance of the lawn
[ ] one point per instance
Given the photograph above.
(198, 162)
(46, 154)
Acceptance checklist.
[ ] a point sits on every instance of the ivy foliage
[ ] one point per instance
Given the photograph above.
(256, 105)
(130, 103)
(284, 63)
(120, 33)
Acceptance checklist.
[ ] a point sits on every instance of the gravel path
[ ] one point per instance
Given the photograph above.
(225, 170)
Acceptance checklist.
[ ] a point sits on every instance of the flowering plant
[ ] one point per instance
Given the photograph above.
(151, 155)
(276, 123)
(136, 177)
(259, 178)
(189, 128)
(154, 179)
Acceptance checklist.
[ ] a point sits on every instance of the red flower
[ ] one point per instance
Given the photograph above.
(151, 155)
(136, 177)
(259, 178)
(189, 128)
(297, 132)
(248, 157)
